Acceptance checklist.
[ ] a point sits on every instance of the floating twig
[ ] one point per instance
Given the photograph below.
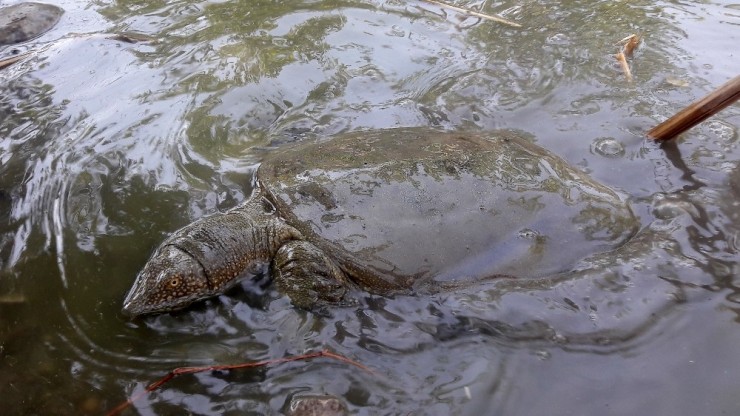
(474, 13)
(193, 370)
(630, 44)
(13, 299)
(698, 111)
(6, 62)
(622, 59)
(628, 47)
(131, 37)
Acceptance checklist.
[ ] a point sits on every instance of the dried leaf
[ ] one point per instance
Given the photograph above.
(632, 42)
(625, 66)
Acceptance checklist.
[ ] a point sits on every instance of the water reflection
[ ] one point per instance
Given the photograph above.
(105, 147)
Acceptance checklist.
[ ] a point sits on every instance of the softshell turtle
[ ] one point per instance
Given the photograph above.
(391, 211)
(23, 21)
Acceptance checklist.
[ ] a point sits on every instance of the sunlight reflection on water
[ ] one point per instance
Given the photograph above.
(106, 147)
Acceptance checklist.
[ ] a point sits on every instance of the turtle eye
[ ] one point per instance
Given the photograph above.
(174, 282)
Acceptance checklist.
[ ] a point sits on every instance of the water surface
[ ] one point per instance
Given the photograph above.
(107, 146)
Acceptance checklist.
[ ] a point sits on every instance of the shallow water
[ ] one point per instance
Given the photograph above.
(108, 146)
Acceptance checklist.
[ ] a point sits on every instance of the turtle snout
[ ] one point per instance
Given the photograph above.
(172, 279)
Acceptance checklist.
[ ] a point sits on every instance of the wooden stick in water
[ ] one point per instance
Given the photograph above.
(698, 111)
(622, 59)
(6, 62)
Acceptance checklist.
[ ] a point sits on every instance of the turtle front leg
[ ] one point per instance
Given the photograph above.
(308, 276)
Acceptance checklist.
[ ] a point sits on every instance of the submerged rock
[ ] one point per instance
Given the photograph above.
(24, 21)
(311, 405)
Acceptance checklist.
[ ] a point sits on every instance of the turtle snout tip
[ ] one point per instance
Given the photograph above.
(132, 306)
(128, 310)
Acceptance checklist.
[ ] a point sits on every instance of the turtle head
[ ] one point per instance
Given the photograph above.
(172, 279)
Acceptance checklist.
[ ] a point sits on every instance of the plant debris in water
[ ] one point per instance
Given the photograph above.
(629, 44)
(193, 370)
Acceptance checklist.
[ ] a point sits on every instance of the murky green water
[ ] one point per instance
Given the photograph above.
(107, 146)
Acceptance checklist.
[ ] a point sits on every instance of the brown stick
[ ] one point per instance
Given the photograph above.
(192, 370)
(622, 59)
(628, 47)
(698, 111)
(630, 44)
(6, 62)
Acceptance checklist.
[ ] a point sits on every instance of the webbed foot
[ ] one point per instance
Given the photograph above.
(308, 276)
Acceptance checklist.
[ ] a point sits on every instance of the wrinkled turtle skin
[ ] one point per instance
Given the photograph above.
(23, 21)
(391, 211)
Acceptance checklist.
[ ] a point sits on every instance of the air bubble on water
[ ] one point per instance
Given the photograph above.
(558, 39)
(668, 245)
(669, 208)
(722, 130)
(528, 233)
(607, 147)
(397, 31)
(543, 355)
(559, 338)
(728, 167)
(667, 211)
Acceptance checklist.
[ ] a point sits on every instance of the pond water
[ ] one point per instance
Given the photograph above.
(107, 146)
